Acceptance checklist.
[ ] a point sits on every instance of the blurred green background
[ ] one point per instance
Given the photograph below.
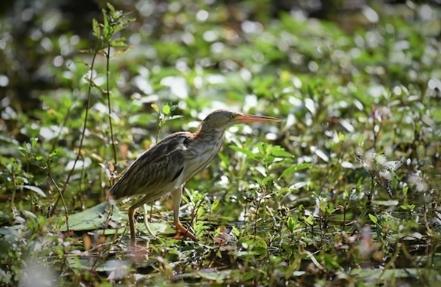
(344, 192)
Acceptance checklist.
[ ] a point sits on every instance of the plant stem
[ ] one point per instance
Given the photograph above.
(83, 132)
(374, 146)
(14, 191)
(108, 103)
(66, 213)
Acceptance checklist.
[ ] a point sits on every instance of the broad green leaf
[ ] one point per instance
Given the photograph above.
(95, 217)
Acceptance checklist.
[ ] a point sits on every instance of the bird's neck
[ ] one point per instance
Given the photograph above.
(209, 133)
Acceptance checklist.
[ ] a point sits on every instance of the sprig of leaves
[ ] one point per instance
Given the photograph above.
(114, 21)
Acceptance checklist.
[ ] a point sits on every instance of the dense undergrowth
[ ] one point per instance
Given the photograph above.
(345, 191)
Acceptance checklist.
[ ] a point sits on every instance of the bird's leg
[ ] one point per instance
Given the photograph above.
(131, 213)
(181, 231)
(146, 220)
(132, 210)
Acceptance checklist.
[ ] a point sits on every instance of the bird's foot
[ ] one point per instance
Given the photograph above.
(182, 232)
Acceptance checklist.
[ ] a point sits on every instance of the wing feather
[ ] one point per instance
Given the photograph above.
(154, 169)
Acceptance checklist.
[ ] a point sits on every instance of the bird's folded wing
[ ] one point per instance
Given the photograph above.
(147, 175)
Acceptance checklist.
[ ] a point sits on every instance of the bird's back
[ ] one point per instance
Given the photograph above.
(155, 170)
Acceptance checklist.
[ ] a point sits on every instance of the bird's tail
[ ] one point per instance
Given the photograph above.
(116, 191)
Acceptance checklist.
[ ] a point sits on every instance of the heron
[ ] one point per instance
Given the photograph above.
(167, 166)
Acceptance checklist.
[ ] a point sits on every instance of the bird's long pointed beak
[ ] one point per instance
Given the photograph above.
(247, 119)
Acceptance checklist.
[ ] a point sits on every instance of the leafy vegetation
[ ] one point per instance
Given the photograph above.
(345, 191)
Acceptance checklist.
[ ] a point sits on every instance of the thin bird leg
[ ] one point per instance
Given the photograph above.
(146, 221)
(181, 231)
(131, 212)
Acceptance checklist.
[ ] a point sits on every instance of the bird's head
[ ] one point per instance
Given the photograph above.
(222, 119)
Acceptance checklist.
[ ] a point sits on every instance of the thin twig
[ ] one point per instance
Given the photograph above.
(14, 191)
(372, 187)
(83, 132)
(66, 213)
(108, 104)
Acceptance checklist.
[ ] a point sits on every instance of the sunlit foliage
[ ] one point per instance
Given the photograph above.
(345, 191)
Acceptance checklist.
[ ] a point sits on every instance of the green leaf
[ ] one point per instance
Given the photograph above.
(245, 151)
(373, 218)
(391, 202)
(166, 110)
(139, 119)
(107, 29)
(214, 275)
(287, 173)
(309, 220)
(291, 223)
(96, 29)
(279, 151)
(111, 8)
(255, 244)
(95, 217)
(118, 43)
(155, 107)
(35, 189)
(409, 207)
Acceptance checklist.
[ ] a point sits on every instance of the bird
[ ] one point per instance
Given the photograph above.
(167, 166)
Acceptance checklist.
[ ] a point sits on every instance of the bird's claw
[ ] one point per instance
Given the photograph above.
(182, 232)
